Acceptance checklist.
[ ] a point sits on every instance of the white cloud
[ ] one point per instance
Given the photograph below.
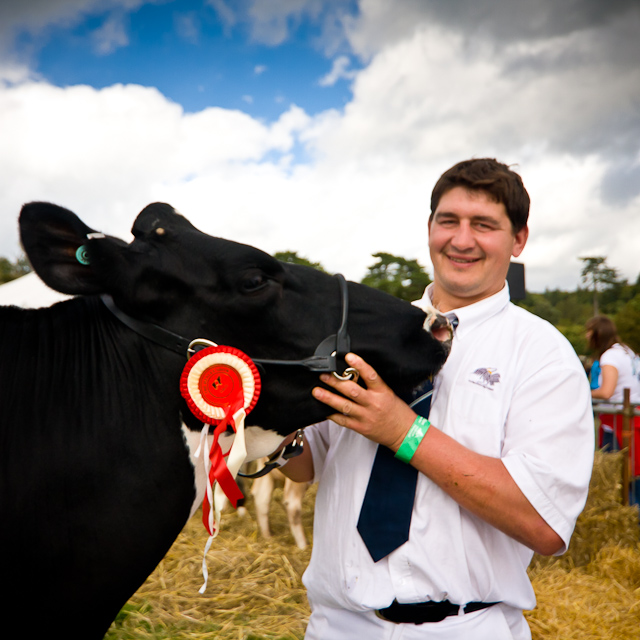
(270, 20)
(339, 71)
(13, 72)
(273, 22)
(259, 69)
(35, 15)
(106, 154)
(434, 98)
(111, 35)
(225, 13)
(430, 95)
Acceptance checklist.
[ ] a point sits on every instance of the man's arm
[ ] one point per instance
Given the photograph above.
(479, 483)
(300, 468)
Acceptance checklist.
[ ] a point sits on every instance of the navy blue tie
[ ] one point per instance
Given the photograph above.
(385, 516)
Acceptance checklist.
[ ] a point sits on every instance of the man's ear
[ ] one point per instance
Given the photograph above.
(520, 240)
(53, 239)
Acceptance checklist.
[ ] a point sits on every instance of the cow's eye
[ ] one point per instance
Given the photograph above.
(254, 282)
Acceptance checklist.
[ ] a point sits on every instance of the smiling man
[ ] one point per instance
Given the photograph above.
(502, 464)
(471, 240)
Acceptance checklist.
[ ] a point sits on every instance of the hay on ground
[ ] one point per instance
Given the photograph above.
(254, 588)
(255, 593)
(592, 592)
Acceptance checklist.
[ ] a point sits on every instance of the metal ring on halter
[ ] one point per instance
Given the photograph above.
(200, 342)
(348, 374)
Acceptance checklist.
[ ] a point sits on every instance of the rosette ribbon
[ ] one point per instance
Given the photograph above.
(221, 386)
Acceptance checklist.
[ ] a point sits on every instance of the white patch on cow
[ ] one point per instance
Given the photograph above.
(260, 443)
(192, 440)
(431, 311)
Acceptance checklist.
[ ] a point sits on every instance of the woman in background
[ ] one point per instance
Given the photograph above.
(619, 370)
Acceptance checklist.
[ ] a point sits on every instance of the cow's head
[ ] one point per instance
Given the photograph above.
(200, 286)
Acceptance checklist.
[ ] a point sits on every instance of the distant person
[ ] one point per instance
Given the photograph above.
(619, 370)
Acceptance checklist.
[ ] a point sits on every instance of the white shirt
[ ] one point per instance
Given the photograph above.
(512, 388)
(627, 364)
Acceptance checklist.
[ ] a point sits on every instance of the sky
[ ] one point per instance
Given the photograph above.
(321, 126)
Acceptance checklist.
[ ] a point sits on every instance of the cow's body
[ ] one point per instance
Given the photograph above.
(96, 480)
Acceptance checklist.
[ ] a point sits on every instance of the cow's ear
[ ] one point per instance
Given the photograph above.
(52, 238)
(159, 218)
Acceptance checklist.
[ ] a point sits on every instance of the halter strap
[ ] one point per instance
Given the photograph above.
(324, 360)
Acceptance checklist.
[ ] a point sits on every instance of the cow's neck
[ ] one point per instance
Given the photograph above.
(79, 350)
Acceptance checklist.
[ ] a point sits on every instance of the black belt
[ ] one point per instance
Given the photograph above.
(421, 612)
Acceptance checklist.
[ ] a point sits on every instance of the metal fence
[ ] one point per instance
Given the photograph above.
(628, 411)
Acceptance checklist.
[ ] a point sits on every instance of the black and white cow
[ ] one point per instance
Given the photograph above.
(96, 480)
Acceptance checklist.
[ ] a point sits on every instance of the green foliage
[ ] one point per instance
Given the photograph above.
(574, 307)
(405, 279)
(292, 257)
(606, 294)
(540, 305)
(575, 334)
(12, 270)
(628, 323)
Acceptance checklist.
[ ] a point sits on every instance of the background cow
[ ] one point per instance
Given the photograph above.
(292, 497)
(96, 480)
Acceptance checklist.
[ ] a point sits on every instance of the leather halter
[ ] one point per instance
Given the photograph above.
(324, 360)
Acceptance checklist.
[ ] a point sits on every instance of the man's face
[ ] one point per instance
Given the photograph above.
(471, 242)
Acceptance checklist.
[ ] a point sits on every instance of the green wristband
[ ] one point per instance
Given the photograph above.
(413, 438)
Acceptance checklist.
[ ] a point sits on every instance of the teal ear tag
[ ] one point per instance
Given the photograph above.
(82, 256)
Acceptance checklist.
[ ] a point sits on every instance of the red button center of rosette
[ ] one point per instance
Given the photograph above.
(220, 385)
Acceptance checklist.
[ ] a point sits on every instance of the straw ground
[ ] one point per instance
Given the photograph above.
(255, 593)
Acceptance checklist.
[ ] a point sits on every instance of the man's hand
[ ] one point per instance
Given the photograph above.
(375, 411)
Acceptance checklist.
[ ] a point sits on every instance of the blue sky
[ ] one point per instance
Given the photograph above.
(187, 52)
(278, 123)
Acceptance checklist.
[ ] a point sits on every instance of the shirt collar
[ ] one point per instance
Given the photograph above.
(473, 314)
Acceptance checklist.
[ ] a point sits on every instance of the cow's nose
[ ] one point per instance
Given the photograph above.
(440, 327)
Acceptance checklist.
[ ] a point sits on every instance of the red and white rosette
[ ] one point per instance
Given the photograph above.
(218, 378)
(221, 385)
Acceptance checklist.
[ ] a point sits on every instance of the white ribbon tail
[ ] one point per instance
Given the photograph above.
(205, 571)
(236, 457)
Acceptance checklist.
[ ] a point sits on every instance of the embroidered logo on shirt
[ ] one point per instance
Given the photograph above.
(485, 377)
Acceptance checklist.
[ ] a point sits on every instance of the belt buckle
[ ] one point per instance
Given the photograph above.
(379, 614)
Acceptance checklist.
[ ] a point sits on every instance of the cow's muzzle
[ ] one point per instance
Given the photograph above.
(439, 326)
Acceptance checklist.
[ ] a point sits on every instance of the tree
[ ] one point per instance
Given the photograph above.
(575, 334)
(540, 306)
(628, 323)
(292, 257)
(405, 279)
(12, 270)
(597, 275)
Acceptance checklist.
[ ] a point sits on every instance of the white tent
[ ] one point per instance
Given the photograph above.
(29, 291)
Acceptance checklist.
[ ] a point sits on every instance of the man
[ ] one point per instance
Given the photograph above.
(503, 470)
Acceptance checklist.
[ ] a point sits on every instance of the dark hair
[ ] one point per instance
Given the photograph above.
(604, 334)
(492, 177)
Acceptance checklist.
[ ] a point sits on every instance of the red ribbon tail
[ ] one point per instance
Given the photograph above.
(206, 509)
(219, 472)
